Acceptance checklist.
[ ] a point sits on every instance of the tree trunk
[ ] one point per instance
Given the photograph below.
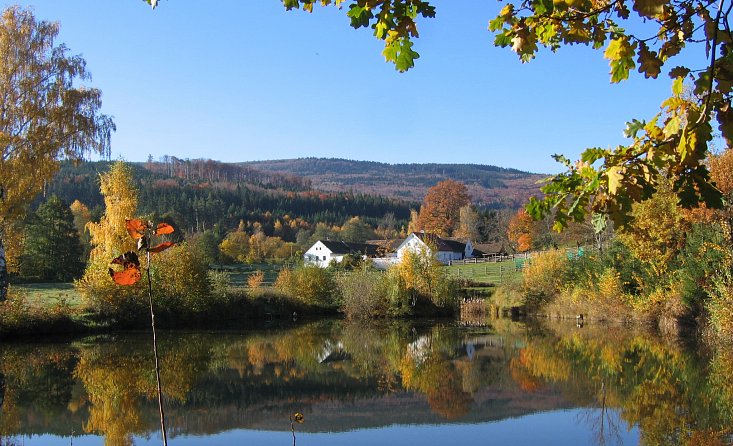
(4, 279)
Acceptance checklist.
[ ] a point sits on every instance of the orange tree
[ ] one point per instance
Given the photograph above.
(440, 210)
(520, 231)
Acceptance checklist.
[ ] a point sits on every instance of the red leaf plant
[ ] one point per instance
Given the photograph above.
(144, 232)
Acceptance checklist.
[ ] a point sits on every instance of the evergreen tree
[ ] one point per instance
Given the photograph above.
(52, 250)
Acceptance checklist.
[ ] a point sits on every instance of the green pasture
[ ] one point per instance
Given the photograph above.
(49, 294)
(239, 273)
(488, 273)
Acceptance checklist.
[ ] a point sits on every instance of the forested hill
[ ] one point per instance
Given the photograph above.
(489, 186)
(198, 194)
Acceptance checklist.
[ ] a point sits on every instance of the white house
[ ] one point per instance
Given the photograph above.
(447, 249)
(323, 252)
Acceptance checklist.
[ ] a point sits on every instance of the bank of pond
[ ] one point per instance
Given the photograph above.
(390, 382)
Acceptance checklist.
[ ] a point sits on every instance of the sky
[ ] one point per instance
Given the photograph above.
(245, 80)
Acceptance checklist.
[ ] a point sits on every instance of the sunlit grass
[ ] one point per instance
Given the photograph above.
(44, 295)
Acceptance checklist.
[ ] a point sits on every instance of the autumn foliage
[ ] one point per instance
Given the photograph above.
(440, 211)
(521, 231)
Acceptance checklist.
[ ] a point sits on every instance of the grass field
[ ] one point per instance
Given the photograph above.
(487, 273)
(238, 274)
(49, 294)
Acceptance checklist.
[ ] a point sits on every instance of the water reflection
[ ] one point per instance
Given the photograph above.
(388, 383)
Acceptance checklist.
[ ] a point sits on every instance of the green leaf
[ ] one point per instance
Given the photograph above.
(360, 16)
(620, 54)
(399, 52)
(600, 222)
(633, 127)
(592, 155)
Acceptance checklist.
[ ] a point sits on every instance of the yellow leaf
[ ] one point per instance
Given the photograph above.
(506, 10)
(677, 86)
(615, 174)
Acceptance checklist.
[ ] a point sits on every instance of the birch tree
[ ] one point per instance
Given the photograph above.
(45, 115)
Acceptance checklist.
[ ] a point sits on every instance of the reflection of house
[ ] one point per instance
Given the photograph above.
(446, 249)
(323, 252)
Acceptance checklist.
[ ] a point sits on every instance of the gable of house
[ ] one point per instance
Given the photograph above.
(447, 249)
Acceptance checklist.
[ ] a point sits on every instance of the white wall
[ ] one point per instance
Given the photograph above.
(320, 255)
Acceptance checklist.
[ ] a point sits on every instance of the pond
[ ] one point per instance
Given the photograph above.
(387, 384)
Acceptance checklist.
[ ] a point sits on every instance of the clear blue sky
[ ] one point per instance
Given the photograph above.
(241, 80)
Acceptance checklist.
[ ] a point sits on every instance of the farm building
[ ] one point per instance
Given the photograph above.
(323, 252)
(447, 249)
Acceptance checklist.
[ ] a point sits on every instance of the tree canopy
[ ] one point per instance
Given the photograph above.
(44, 114)
(440, 211)
(52, 250)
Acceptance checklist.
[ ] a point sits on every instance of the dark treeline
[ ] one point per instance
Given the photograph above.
(201, 194)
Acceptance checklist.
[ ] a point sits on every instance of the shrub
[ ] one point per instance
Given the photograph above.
(181, 280)
(720, 306)
(705, 253)
(219, 284)
(545, 277)
(255, 280)
(310, 284)
(181, 283)
(363, 294)
(106, 298)
(420, 279)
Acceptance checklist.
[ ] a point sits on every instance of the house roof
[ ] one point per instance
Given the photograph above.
(389, 245)
(490, 248)
(442, 244)
(341, 247)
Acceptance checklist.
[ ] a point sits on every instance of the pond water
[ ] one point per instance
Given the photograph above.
(502, 383)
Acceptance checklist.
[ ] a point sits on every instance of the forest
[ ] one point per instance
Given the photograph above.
(202, 194)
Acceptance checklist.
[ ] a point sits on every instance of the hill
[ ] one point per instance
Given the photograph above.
(201, 194)
(489, 186)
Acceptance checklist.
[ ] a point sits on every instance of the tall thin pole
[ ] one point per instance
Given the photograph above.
(155, 353)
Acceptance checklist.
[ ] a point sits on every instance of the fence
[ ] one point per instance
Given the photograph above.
(493, 258)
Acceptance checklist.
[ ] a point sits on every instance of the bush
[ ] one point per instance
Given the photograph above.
(309, 284)
(180, 278)
(720, 307)
(255, 280)
(545, 277)
(363, 294)
(705, 253)
(181, 281)
(420, 280)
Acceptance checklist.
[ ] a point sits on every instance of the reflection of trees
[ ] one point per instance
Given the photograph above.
(604, 422)
(627, 379)
(659, 387)
(118, 378)
(427, 366)
(38, 378)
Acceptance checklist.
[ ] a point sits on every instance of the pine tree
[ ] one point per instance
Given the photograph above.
(52, 250)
